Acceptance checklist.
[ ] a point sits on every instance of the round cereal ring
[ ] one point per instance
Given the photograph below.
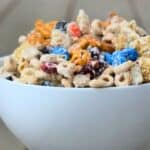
(80, 57)
(103, 81)
(22, 65)
(123, 79)
(66, 69)
(123, 67)
(109, 71)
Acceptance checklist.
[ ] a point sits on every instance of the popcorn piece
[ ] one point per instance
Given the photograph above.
(22, 39)
(10, 64)
(96, 28)
(59, 38)
(30, 53)
(83, 22)
(136, 73)
(142, 44)
(51, 58)
(145, 67)
(17, 55)
(66, 69)
(35, 63)
(81, 80)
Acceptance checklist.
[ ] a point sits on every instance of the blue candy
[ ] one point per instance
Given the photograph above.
(59, 50)
(118, 60)
(130, 53)
(120, 57)
(108, 58)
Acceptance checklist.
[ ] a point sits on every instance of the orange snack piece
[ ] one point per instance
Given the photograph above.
(42, 33)
(80, 57)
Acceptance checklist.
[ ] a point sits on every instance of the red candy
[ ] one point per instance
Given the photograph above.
(49, 67)
(74, 29)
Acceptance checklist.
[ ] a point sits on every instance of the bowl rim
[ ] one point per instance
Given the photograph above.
(15, 83)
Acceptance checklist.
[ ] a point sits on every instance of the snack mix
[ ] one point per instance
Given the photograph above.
(81, 53)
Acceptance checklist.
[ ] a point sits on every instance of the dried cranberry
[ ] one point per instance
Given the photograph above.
(49, 67)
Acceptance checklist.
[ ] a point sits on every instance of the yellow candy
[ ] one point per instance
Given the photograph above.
(18, 51)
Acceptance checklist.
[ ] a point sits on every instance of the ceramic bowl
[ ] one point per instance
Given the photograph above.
(53, 118)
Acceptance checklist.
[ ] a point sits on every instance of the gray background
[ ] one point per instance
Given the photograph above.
(17, 17)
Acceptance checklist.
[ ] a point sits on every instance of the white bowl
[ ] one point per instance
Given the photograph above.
(52, 118)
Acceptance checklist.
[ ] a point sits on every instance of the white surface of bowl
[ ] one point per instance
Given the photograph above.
(51, 118)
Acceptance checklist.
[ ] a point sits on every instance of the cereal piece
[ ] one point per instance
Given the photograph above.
(66, 82)
(51, 58)
(66, 69)
(30, 53)
(142, 44)
(80, 57)
(74, 29)
(59, 38)
(123, 79)
(109, 71)
(145, 67)
(81, 80)
(10, 64)
(83, 22)
(123, 67)
(28, 76)
(136, 73)
(17, 54)
(22, 39)
(35, 63)
(22, 65)
(105, 80)
(96, 28)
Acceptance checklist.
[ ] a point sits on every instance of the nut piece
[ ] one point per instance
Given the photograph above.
(81, 80)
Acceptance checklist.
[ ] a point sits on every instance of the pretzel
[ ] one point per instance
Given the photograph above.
(87, 40)
(123, 79)
(104, 80)
(80, 57)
